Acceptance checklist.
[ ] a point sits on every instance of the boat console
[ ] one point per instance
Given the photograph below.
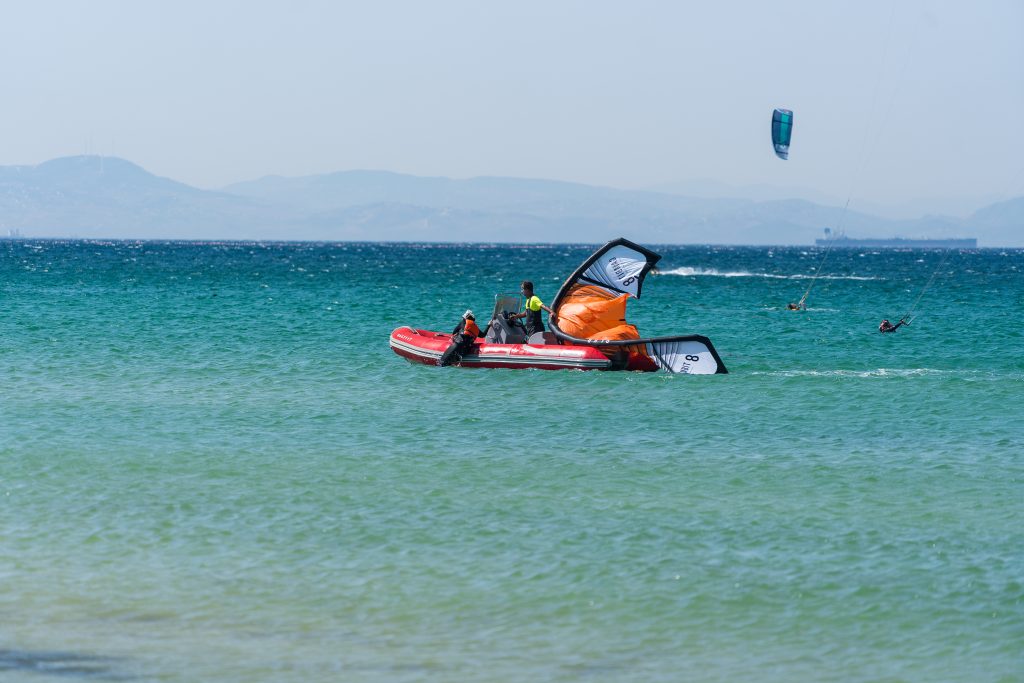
(502, 330)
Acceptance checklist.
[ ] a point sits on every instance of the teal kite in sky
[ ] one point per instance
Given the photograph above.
(782, 131)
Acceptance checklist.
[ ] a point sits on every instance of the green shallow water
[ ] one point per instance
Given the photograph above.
(213, 468)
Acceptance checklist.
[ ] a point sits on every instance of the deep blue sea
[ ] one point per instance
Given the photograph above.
(213, 468)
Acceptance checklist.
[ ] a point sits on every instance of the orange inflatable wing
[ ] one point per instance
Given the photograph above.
(587, 310)
(625, 331)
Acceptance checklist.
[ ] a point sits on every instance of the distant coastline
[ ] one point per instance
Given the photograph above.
(107, 197)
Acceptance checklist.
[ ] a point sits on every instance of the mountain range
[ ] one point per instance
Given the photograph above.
(108, 197)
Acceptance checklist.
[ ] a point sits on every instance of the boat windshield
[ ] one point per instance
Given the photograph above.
(506, 302)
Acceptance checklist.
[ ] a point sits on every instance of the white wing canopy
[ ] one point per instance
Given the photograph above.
(591, 310)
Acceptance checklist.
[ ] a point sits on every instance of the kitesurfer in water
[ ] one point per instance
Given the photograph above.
(795, 307)
(463, 336)
(533, 307)
(887, 326)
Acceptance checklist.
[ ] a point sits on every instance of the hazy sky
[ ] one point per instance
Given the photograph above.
(892, 99)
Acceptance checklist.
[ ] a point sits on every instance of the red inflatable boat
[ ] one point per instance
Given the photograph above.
(588, 331)
(424, 346)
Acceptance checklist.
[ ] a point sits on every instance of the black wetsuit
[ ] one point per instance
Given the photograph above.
(892, 328)
(461, 343)
(533, 322)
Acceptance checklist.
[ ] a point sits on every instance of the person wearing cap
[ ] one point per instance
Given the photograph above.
(532, 309)
(463, 337)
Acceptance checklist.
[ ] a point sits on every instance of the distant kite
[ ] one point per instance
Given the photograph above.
(782, 131)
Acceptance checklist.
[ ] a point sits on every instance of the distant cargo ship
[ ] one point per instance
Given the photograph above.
(844, 241)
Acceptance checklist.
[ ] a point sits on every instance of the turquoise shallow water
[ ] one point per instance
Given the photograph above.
(213, 468)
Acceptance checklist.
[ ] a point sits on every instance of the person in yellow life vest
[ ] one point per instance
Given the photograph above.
(532, 309)
(463, 337)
